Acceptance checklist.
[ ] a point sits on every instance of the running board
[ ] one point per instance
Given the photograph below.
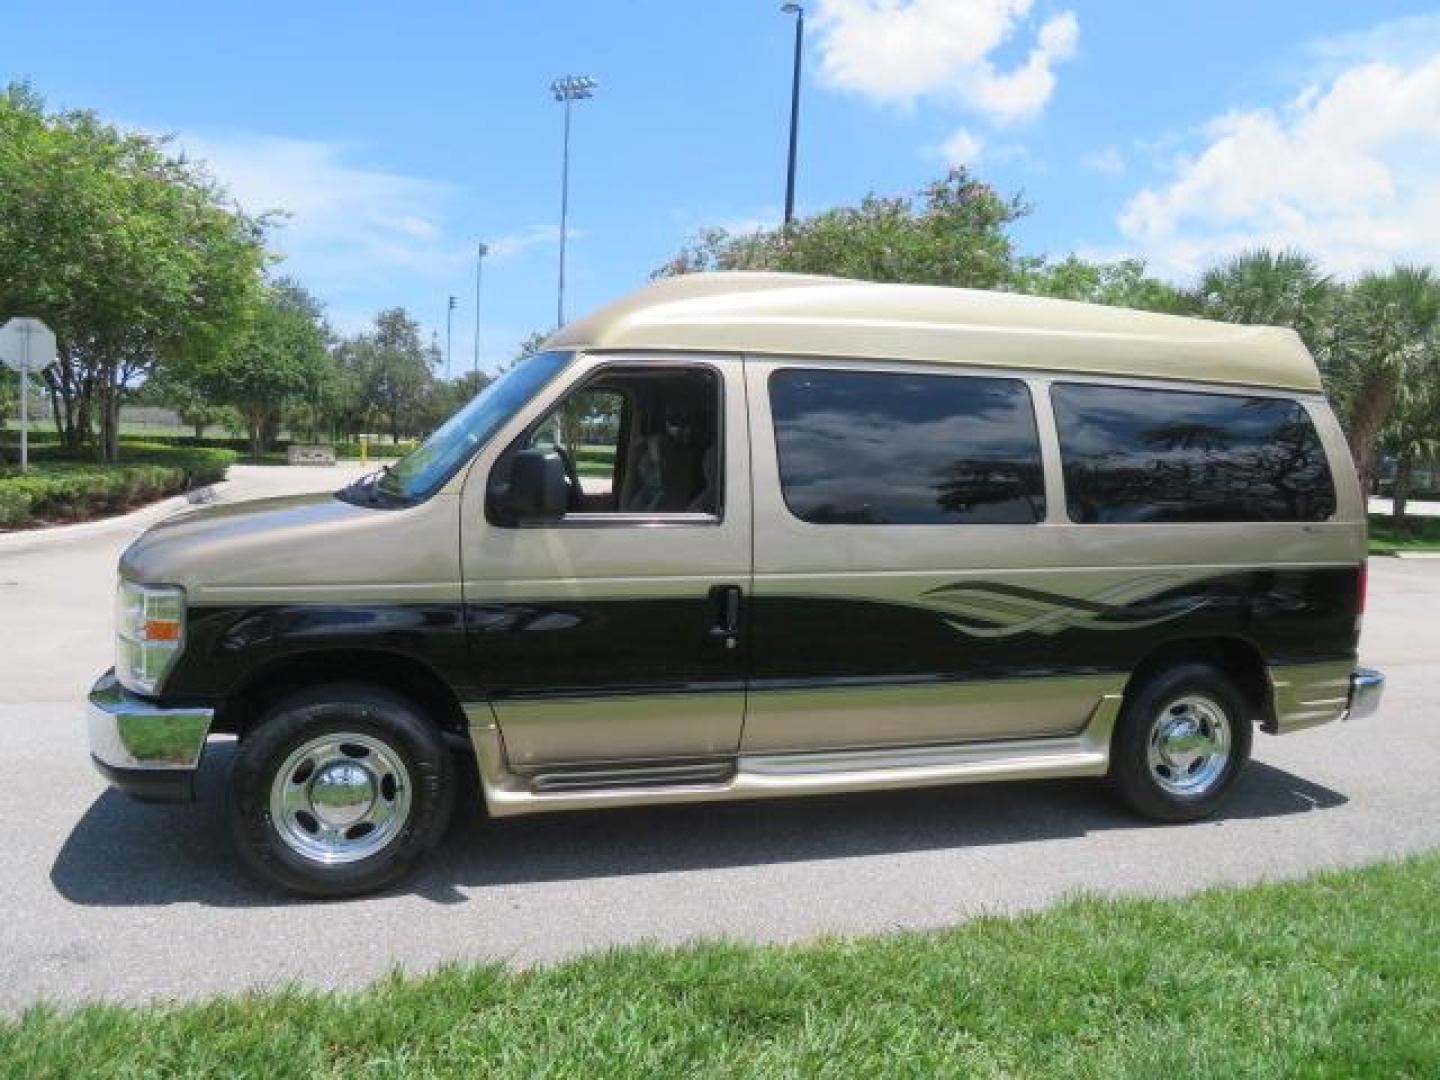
(631, 777)
(758, 776)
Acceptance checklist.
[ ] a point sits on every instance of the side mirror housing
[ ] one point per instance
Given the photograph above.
(538, 490)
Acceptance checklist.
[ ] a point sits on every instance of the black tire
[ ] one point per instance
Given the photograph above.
(1146, 707)
(400, 728)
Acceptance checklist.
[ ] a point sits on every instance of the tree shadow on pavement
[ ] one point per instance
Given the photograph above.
(123, 853)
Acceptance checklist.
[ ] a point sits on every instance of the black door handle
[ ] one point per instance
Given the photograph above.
(726, 599)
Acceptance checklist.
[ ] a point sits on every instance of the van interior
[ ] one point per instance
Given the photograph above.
(650, 441)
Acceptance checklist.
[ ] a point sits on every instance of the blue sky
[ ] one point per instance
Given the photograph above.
(398, 135)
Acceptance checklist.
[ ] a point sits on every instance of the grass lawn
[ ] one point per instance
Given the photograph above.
(1420, 534)
(1335, 976)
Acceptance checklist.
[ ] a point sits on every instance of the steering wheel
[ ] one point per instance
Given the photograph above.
(572, 477)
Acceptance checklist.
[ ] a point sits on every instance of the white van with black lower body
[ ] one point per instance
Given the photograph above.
(751, 535)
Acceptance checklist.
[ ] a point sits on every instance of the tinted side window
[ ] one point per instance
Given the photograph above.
(872, 448)
(1170, 455)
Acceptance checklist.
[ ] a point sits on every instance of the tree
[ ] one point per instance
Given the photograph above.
(955, 232)
(127, 251)
(173, 387)
(530, 346)
(394, 371)
(1266, 288)
(447, 396)
(1123, 283)
(271, 361)
(1383, 356)
(316, 407)
(9, 399)
(1412, 434)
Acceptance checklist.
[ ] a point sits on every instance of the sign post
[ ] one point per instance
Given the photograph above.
(26, 345)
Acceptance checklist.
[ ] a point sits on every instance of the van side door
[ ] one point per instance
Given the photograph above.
(902, 561)
(615, 634)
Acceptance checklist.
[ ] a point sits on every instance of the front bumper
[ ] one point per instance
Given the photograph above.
(1367, 687)
(145, 750)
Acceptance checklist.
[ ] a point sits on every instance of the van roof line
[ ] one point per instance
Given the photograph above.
(803, 315)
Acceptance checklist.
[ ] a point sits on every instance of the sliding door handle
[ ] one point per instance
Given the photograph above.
(726, 600)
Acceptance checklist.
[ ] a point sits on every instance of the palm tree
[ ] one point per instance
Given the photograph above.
(1262, 287)
(1383, 357)
(1412, 434)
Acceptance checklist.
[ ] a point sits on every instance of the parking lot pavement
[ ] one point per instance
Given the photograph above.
(108, 898)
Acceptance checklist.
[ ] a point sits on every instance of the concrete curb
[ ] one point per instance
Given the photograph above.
(47, 536)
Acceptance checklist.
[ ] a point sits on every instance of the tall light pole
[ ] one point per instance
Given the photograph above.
(567, 90)
(798, 10)
(481, 250)
(449, 322)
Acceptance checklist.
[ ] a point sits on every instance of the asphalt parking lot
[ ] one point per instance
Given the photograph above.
(108, 898)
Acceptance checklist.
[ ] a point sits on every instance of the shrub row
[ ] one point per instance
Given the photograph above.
(344, 448)
(41, 441)
(67, 490)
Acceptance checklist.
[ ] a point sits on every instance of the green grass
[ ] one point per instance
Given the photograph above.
(1335, 976)
(1419, 534)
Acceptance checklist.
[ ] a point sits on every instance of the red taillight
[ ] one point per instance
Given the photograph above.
(1363, 585)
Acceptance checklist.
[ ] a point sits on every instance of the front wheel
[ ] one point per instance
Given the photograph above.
(339, 790)
(1182, 739)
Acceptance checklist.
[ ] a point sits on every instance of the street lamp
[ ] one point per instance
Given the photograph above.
(481, 250)
(567, 90)
(449, 321)
(798, 10)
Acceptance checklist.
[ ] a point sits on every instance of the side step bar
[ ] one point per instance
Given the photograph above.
(623, 777)
(757, 776)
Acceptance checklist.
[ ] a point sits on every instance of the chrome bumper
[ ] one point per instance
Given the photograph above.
(143, 749)
(1367, 687)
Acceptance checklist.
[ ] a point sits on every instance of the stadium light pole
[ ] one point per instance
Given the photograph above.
(481, 250)
(567, 90)
(449, 324)
(798, 10)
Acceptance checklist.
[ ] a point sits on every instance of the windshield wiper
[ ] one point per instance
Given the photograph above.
(366, 491)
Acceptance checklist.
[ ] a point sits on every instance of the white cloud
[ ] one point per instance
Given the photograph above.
(899, 51)
(1107, 161)
(1348, 170)
(350, 229)
(345, 221)
(508, 247)
(961, 148)
(1408, 40)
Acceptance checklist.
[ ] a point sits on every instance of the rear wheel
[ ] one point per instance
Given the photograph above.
(1182, 740)
(339, 790)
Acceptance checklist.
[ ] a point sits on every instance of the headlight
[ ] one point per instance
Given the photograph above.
(149, 632)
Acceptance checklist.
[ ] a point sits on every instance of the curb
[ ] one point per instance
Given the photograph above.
(45, 536)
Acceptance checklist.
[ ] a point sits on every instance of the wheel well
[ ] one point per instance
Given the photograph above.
(1235, 656)
(401, 675)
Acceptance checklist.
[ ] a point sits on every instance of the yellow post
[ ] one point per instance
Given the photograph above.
(364, 449)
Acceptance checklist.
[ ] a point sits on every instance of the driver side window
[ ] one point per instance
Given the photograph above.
(586, 429)
(638, 441)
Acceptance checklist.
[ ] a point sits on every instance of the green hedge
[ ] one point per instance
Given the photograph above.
(344, 448)
(57, 489)
(350, 448)
(43, 441)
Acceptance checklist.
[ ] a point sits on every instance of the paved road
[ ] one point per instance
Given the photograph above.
(107, 898)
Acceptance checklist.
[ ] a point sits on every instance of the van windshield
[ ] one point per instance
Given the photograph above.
(420, 473)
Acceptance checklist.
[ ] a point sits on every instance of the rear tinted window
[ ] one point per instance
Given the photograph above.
(870, 448)
(1169, 455)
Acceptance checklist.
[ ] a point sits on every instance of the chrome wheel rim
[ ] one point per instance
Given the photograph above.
(340, 798)
(1189, 745)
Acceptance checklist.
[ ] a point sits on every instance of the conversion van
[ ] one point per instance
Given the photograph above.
(749, 535)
